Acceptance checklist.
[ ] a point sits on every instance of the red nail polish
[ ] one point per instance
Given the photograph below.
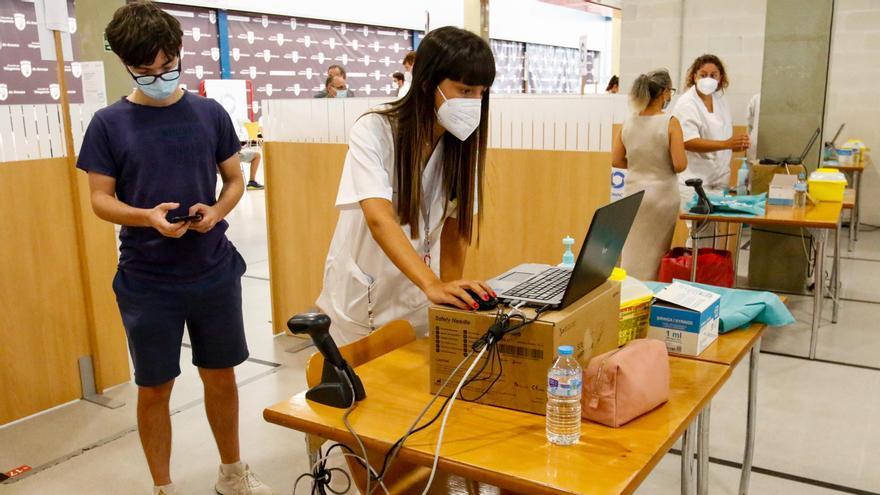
(476, 305)
(485, 298)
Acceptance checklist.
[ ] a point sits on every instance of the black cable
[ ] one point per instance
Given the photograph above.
(499, 328)
(491, 338)
(322, 477)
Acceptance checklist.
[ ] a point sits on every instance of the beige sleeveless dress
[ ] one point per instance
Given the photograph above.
(646, 139)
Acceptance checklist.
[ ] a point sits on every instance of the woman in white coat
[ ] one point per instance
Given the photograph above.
(409, 192)
(707, 127)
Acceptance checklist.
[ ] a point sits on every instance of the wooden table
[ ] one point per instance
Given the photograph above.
(504, 447)
(856, 210)
(820, 217)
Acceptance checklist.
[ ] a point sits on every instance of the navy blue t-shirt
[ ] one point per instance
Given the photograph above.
(159, 155)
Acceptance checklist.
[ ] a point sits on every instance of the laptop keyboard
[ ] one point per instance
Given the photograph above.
(547, 286)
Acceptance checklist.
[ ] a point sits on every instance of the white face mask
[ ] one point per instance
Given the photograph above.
(459, 116)
(707, 85)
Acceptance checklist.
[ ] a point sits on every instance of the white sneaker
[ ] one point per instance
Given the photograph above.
(241, 483)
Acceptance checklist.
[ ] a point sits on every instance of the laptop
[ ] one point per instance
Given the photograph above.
(556, 287)
(793, 161)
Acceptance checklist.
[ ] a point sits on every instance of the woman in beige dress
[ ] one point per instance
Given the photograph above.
(651, 148)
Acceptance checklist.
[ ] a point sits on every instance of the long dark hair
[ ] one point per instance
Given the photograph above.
(458, 55)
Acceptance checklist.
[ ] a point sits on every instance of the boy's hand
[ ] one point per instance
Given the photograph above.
(210, 217)
(159, 222)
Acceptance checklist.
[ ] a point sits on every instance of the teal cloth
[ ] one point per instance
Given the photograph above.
(739, 308)
(734, 206)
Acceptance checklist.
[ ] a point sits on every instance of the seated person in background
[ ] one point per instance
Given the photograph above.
(408, 61)
(336, 87)
(398, 80)
(252, 156)
(332, 71)
(613, 85)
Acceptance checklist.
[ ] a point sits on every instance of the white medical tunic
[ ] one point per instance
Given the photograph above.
(697, 122)
(363, 289)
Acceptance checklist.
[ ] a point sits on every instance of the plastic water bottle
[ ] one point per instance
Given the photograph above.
(742, 178)
(568, 256)
(800, 191)
(564, 384)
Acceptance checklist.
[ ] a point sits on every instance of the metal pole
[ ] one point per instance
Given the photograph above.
(749, 453)
(835, 278)
(818, 290)
(703, 450)
(695, 251)
(97, 386)
(736, 248)
(687, 459)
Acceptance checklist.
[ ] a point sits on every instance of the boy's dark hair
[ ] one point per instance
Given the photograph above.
(410, 58)
(398, 76)
(139, 30)
(328, 82)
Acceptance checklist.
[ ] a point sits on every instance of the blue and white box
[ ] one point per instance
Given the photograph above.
(685, 318)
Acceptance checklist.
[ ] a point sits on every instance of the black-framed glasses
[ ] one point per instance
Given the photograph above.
(145, 80)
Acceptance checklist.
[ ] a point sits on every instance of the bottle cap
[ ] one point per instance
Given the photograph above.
(567, 241)
(566, 350)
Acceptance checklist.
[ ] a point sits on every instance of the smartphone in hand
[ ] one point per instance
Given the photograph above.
(184, 218)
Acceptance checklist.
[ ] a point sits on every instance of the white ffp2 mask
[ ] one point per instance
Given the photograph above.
(459, 116)
(707, 85)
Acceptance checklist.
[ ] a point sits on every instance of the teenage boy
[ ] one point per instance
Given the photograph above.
(152, 159)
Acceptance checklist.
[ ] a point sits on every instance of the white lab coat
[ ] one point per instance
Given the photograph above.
(359, 279)
(697, 122)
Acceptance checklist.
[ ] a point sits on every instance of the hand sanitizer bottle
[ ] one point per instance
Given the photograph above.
(568, 256)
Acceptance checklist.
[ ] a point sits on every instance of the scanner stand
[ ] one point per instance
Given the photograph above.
(337, 377)
(334, 389)
(703, 206)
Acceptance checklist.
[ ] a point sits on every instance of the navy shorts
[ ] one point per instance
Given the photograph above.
(154, 314)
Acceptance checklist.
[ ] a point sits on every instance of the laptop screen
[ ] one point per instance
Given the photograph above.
(601, 250)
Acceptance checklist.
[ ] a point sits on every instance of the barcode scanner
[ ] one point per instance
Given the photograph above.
(334, 389)
(703, 206)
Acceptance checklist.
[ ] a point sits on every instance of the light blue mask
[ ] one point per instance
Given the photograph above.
(160, 88)
(342, 93)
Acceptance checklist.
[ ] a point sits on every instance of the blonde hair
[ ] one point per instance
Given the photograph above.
(648, 87)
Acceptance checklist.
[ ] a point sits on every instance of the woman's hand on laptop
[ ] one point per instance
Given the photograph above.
(455, 293)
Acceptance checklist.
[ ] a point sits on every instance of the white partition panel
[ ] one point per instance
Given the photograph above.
(7, 137)
(43, 138)
(56, 137)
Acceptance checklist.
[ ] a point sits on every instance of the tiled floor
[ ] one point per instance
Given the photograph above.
(817, 421)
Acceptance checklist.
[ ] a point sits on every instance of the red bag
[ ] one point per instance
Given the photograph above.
(714, 266)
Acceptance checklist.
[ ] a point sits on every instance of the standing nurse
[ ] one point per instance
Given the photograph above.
(409, 191)
(707, 128)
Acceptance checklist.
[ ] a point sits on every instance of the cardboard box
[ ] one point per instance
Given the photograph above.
(782, 190)
(590, 325)
(686, 318)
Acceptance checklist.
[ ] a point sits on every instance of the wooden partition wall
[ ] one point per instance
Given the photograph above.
(43, 324)
(533, 198)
